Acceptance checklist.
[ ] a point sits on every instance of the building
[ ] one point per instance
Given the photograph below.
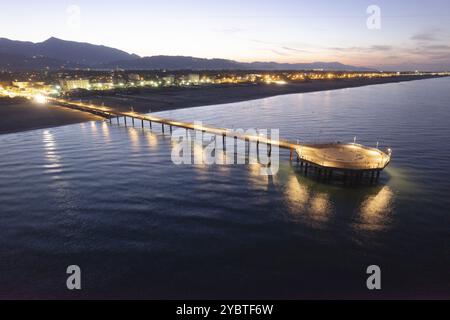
(169, 80)
(194, 78)
(74, 84)
(21, 84)
(134, 77)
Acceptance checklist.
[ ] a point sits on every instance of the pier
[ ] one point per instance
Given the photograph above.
(352, 162)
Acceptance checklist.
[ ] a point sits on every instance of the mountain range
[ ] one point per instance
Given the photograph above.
(56, 54)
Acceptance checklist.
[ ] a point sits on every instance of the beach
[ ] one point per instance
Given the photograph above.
(171, 98)
(29, 116)
(16, 117)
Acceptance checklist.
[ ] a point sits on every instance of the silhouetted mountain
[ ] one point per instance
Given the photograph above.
(55, 53)
(191, 63)
(175, 63)
(18, 62)
(334, 66)
(81, 53)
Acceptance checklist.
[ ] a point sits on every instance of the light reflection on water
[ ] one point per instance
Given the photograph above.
(309, 207)
(105, 131)
(177, 230)
(257, 180)
(152, 140)
(375, 210)
(53, 165)
(134, 139)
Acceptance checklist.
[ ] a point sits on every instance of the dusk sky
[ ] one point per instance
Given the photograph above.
(412, 35)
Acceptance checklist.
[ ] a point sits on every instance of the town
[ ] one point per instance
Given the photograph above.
(84, 83)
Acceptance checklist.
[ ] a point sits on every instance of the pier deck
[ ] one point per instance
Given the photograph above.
(349, 158)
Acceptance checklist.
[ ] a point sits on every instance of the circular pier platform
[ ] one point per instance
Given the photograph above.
(344, 157)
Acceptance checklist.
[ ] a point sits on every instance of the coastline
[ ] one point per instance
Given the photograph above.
(29, 116)
(166, 99)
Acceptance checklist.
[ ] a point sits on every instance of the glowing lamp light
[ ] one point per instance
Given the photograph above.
(39, 98)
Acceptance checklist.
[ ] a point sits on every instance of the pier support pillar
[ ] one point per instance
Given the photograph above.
(247, 151)
(235, 147)
(125, 119)
(162, 126)
(224, 142)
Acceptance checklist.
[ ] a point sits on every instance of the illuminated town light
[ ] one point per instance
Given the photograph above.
(40, 99)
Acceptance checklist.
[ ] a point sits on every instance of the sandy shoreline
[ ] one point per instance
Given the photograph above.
(154, 100)
(29, 116)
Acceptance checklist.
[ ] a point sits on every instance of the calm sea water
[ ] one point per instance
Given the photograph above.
(109, 199)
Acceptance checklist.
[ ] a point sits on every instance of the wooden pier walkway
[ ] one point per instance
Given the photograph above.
(350, 159)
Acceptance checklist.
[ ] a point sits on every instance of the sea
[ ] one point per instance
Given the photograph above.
(109, 199)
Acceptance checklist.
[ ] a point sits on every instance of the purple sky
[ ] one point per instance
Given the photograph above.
(413, 34)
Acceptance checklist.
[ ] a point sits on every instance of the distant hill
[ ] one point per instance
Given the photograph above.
(191, 63)
(23, 63)
(175, 63)
(56, 53)
(334, 66)
(68, 51)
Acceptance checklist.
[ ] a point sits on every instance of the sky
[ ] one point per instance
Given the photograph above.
(391, 35)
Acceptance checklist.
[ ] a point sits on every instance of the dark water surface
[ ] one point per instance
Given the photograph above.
(109, 199)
